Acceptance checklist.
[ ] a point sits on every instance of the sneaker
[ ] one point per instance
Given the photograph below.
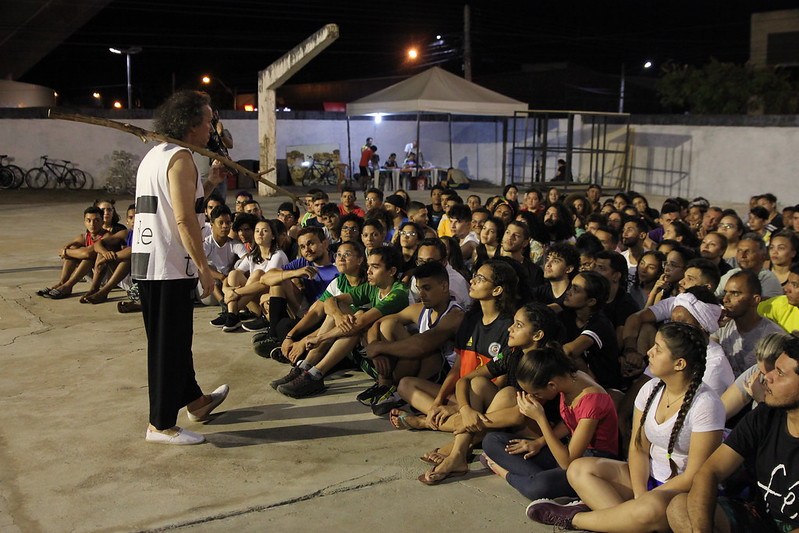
(220, 320)
(293, 374)
(259, 324)
(367, 396)
(388, 402)
(232, 323)
(277, 355)
(264, 343)
(304, 385)
(246, 314)
(547, 511)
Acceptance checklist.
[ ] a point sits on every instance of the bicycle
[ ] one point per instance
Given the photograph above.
(11, 176)
(320, 174)
(63, 172)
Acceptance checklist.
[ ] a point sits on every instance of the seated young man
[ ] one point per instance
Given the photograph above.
(395, 353)
(330, 216)
(78, 255)
(351, 263)
(318, 201)
(288, 214)
(113, 257)
(294, 287)
(343, 328)
(221, 251)
(460, 223)
(561, 264)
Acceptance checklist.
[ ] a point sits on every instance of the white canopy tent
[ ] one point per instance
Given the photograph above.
(434, 91)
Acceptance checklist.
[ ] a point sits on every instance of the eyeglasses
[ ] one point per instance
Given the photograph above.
(241, 202)
(285, 215)
(370, 200)
(479, 278)
(350, 229)
(408, 233)
(343, 255)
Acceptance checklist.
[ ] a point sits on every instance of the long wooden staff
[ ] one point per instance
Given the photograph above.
(147, 135)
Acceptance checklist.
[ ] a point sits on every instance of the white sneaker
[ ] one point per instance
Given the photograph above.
(217, 397)
(183, 436)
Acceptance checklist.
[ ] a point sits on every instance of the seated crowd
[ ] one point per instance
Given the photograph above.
(615, 363)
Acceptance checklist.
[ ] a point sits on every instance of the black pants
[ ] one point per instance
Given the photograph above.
(168, 310)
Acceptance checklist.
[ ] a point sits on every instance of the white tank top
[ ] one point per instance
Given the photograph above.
(424, 323)
(158, 253)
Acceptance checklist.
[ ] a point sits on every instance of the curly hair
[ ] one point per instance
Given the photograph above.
(691, 343)
(181, 112)
(504, 276)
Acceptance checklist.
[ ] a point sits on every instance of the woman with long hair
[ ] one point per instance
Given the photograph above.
(732, 227)
(677, 425)
(241, 286)
(648, 271)
(782, 251)
(455, 257)
(408, 237)
(511, 195)
(673, 271)
(537, 467)
(490, 245)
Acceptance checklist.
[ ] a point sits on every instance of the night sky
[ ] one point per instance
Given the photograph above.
(234, 39)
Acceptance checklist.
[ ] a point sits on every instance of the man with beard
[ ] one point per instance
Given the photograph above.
(395, 205)
(745, 327)
(559, 224)
(516, 246)
(633, 236)
(768, 439)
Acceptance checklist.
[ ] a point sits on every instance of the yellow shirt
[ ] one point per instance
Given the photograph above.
(443, 227)
(779, 310)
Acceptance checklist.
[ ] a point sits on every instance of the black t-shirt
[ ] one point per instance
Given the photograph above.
(620, 308)
(530, 277)
(543, 294)
(603, 355)
(724, 267)
(763, 435)
(477, 343)
(433, 216)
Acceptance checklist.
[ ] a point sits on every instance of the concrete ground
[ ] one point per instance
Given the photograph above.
(73, 412)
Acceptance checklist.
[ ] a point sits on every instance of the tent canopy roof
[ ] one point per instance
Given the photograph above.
(436, 91)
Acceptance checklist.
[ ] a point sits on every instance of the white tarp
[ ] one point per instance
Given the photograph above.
(436, 91)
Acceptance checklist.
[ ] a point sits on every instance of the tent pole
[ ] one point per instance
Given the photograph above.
(449, 117)
(349, 148)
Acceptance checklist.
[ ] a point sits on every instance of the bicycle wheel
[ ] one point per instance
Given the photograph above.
(309, 178)
(37, 178)
(19, 175)
(75, 179)
(331, 177)
(6, 178)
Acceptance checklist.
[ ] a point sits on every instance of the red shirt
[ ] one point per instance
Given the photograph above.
(355, 209)
(366, 155)
(597, 406)
(88, 241)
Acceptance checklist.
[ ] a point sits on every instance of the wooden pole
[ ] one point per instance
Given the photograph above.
(147, 135)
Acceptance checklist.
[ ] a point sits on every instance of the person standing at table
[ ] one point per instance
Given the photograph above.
(166, 261)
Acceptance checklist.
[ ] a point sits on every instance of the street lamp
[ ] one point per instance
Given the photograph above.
(207, 81)
(129, 51)
(412, 53)
(645, 66)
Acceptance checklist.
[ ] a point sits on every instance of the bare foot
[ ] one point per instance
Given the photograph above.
(86, 298)
(449, 467)
(437, 456)
(96, 298)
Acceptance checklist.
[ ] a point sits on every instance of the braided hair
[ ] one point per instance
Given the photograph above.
(691, 343)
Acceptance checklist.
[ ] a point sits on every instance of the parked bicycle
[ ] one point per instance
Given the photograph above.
(320, 173)
(57, 171)
(11, 176)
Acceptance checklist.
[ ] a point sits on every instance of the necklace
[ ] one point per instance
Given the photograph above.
(670, 401)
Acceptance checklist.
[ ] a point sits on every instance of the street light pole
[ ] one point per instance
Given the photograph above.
(621, 90)
(129, 51)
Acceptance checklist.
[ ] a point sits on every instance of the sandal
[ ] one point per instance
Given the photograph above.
(56, 294)
(431, 460)
(44, 292)
(128, 306)
(397, 418)
(439, 476)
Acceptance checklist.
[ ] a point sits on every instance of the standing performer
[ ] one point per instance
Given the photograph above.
(167, 259)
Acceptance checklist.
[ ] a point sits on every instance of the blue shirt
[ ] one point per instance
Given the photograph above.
(313, 288)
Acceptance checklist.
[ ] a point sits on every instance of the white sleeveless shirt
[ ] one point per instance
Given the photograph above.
(158, 253)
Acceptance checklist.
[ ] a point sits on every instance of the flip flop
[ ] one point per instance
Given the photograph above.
(44, 292)
(55, 294)
(85, 299)
(430, 461)
(424, 479)
(397, 419)
(484, 460)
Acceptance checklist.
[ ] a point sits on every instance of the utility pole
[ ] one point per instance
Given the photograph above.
(467, 43)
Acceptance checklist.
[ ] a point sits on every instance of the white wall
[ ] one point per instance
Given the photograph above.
(725, 164)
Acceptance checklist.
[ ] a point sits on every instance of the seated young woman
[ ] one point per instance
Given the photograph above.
(487, 394)
(481, 337)
(677, 425)
(537, 467)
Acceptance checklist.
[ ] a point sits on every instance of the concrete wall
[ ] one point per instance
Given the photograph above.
(723, 163)
(476, 146)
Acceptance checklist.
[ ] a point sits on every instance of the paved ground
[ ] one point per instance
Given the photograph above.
(73, 410)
